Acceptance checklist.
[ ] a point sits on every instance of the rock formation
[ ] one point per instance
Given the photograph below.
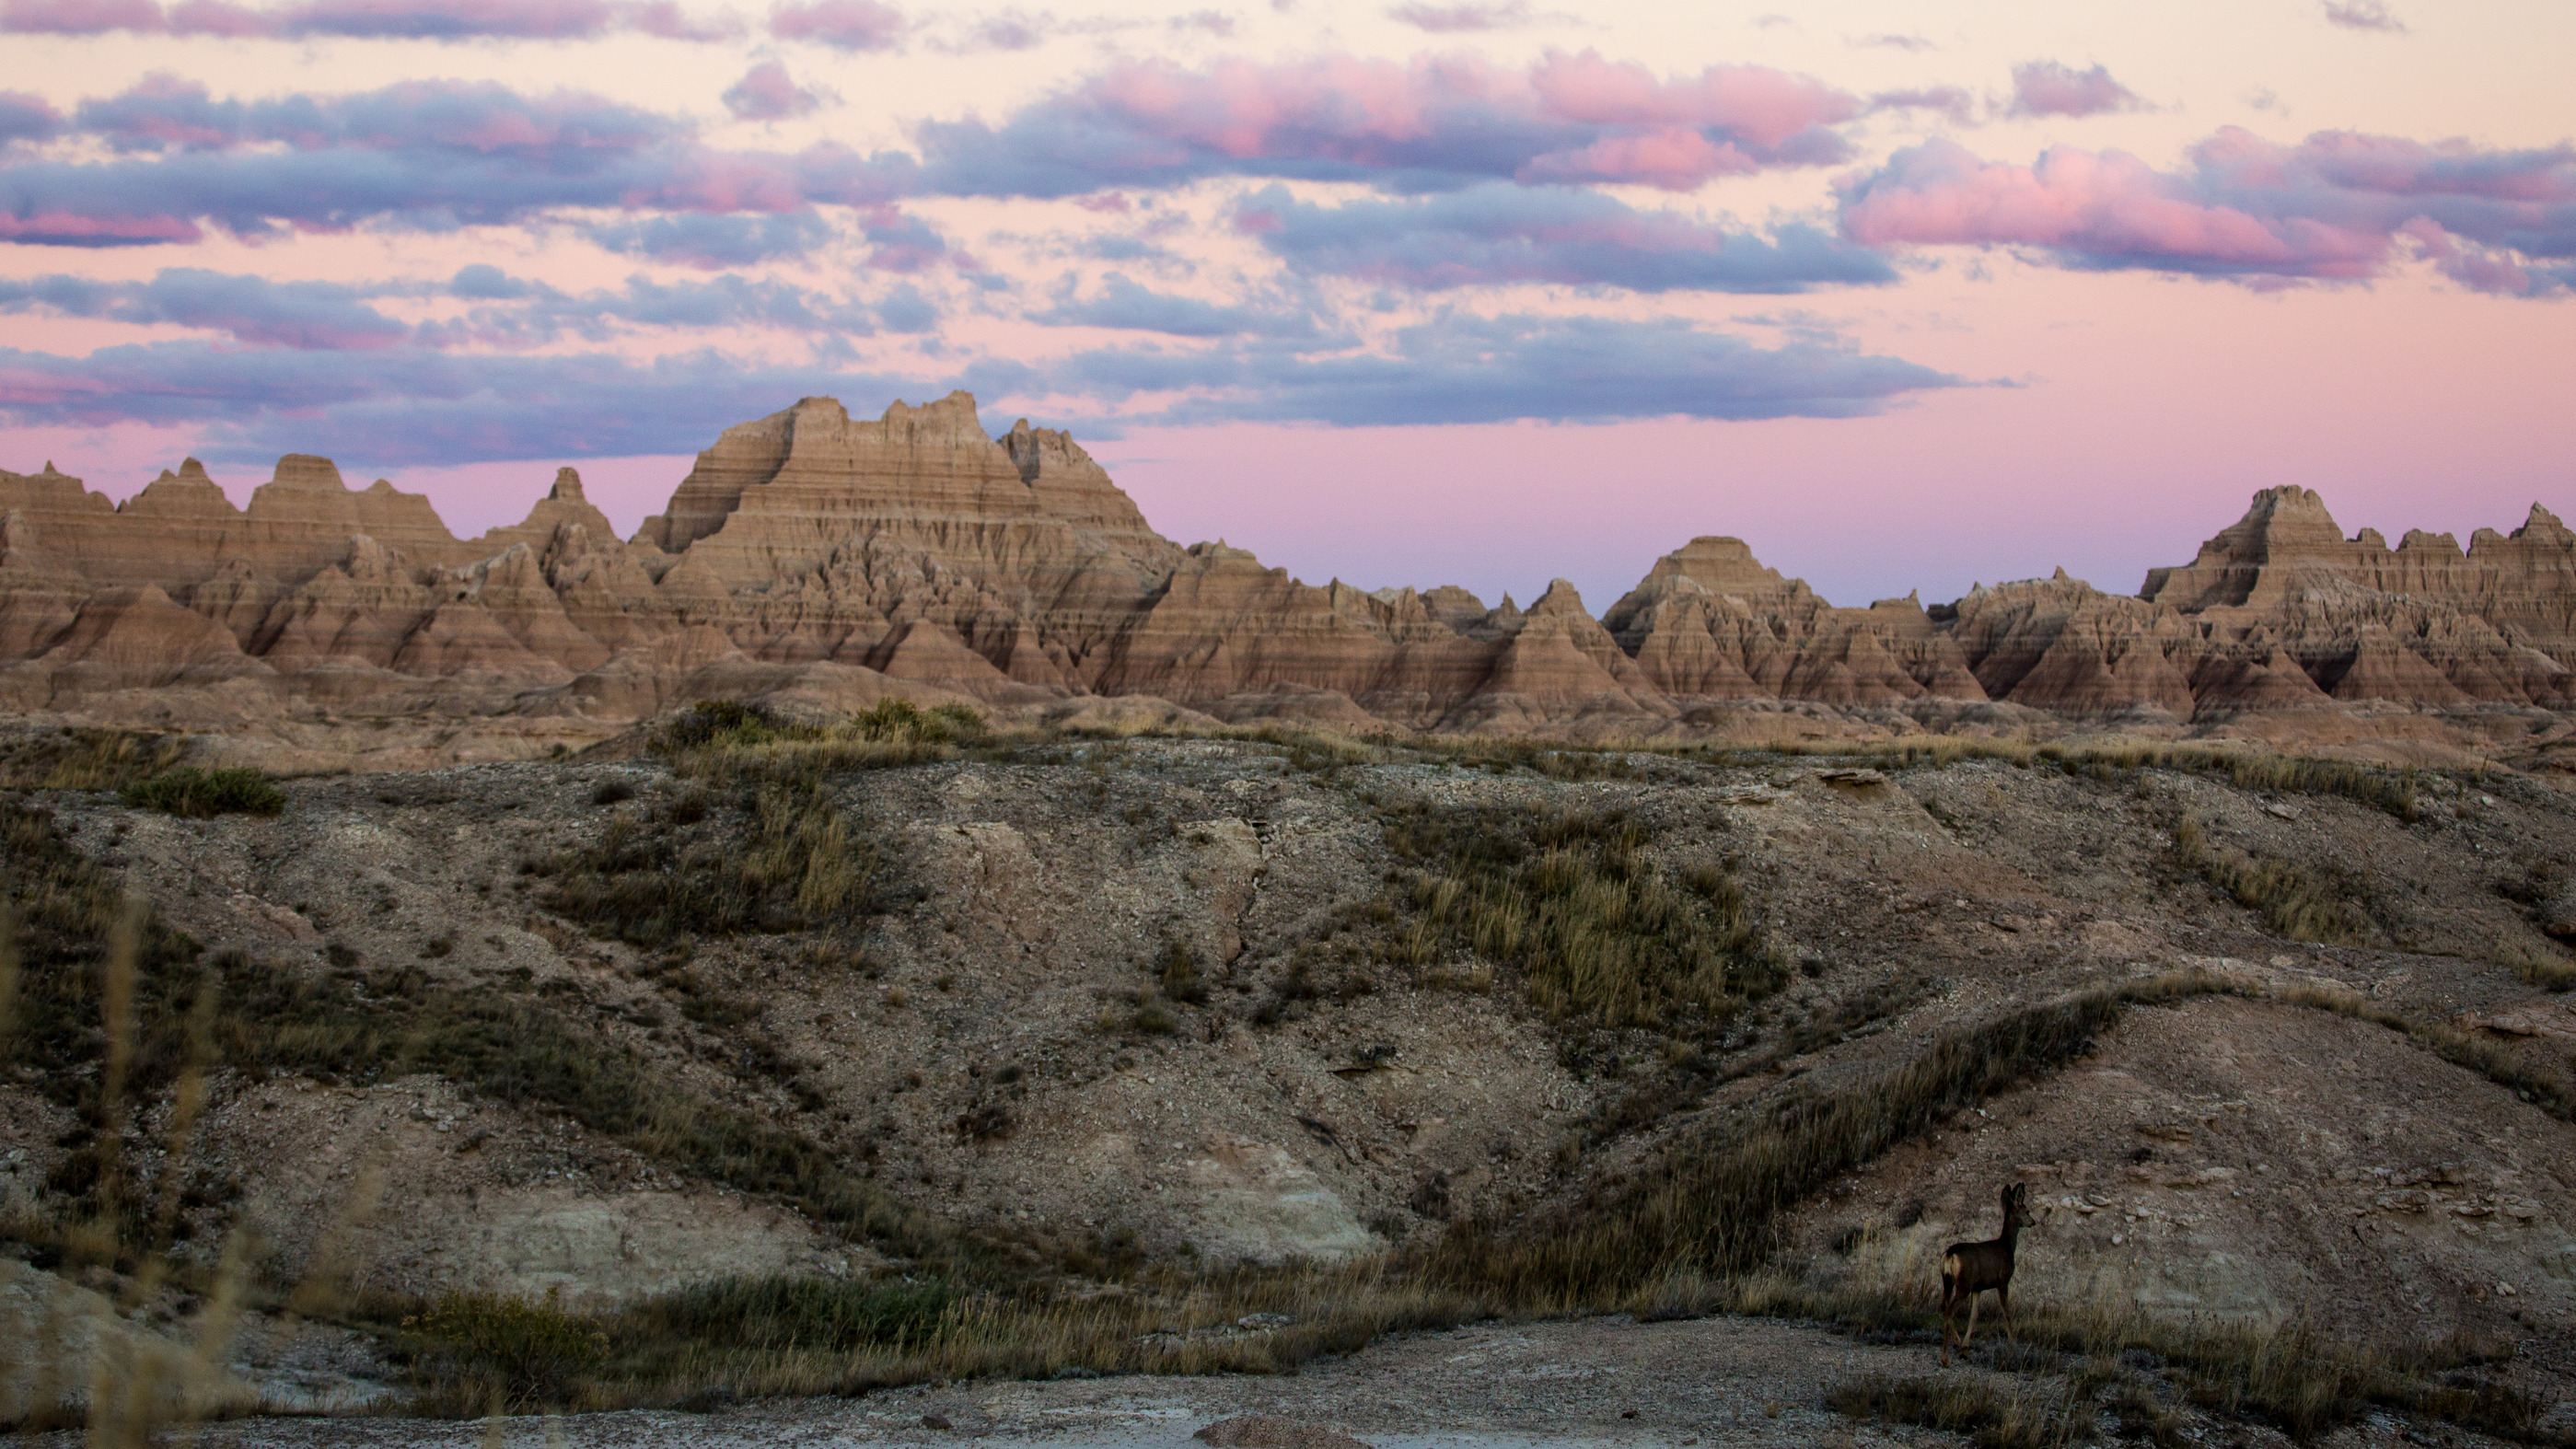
(829, 561)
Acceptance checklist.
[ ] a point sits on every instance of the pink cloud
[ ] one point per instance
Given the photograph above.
(664, 19)
(766, 93)
(363, 19)
(843, 24)
(1754, 102)
(2107, 204)
(2480, 269)
(219, 18)
(2048, 88)
(79, 17)
(1675, 158)
(72, 229)
(2332, 207)
(1568, 118)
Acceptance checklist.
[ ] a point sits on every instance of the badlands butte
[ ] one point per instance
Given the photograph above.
(897, 951)
(820, 562)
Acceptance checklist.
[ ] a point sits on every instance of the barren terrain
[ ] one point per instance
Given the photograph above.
(1120, 1006)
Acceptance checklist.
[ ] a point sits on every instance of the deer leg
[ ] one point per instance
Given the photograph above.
(2003, 1305)
(1949, 1327)
(1973, 1300)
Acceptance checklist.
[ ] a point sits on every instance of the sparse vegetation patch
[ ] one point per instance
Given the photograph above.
(2298, 901)
(1595, 932)
(199, 794)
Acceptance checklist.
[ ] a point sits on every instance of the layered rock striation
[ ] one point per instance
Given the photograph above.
(820, 558)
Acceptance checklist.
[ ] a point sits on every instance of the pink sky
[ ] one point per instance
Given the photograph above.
(1908, 297)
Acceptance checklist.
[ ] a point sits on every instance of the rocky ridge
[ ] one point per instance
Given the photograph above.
(823, 561)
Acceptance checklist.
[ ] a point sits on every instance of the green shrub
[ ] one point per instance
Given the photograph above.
(201, 794)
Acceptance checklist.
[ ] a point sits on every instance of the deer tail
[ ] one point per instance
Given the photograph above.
(1950, 1271)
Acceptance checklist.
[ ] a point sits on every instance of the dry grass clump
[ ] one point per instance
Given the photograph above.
(2295, 900)
(78, 758)
(727, 739)
(2541, 966)
(1569, 901)
(2028, 1416)
(677, 870)
(199, 794)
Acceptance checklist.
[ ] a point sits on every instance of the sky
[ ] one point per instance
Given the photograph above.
(1910, 296)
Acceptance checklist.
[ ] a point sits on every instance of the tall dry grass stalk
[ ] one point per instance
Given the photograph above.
(2296, 900)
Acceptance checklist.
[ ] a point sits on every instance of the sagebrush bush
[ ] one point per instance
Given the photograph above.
(199, 794)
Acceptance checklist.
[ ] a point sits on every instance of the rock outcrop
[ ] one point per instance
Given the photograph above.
(814, 557)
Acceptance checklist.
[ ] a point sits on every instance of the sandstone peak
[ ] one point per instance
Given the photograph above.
(307, 470)
(567, 487)
(1561, 600)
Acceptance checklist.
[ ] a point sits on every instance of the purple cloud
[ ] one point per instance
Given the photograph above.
(2363, 15)
(1457, 19)
(27, 118)
(1124, 305)
(79, 17)
(1494, 234)
(842, 24)
(2048, 88)
(562, 129)
(448, 20)
(1464, 369)
(254, 310)
(902, 243)
(765, 93)
(410, 405)
(1954, 104)
(421, 154)
(714, 242)
(1430, 124)
(2338, 206)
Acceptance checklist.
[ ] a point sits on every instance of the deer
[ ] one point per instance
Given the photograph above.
(1969, 1269)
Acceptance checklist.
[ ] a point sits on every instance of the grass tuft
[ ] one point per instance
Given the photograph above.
(1597, 933)
(199, 794)
(2295, 900)
(2031, 1416)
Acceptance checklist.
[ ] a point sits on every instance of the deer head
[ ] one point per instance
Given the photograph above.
(2017, 1206)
